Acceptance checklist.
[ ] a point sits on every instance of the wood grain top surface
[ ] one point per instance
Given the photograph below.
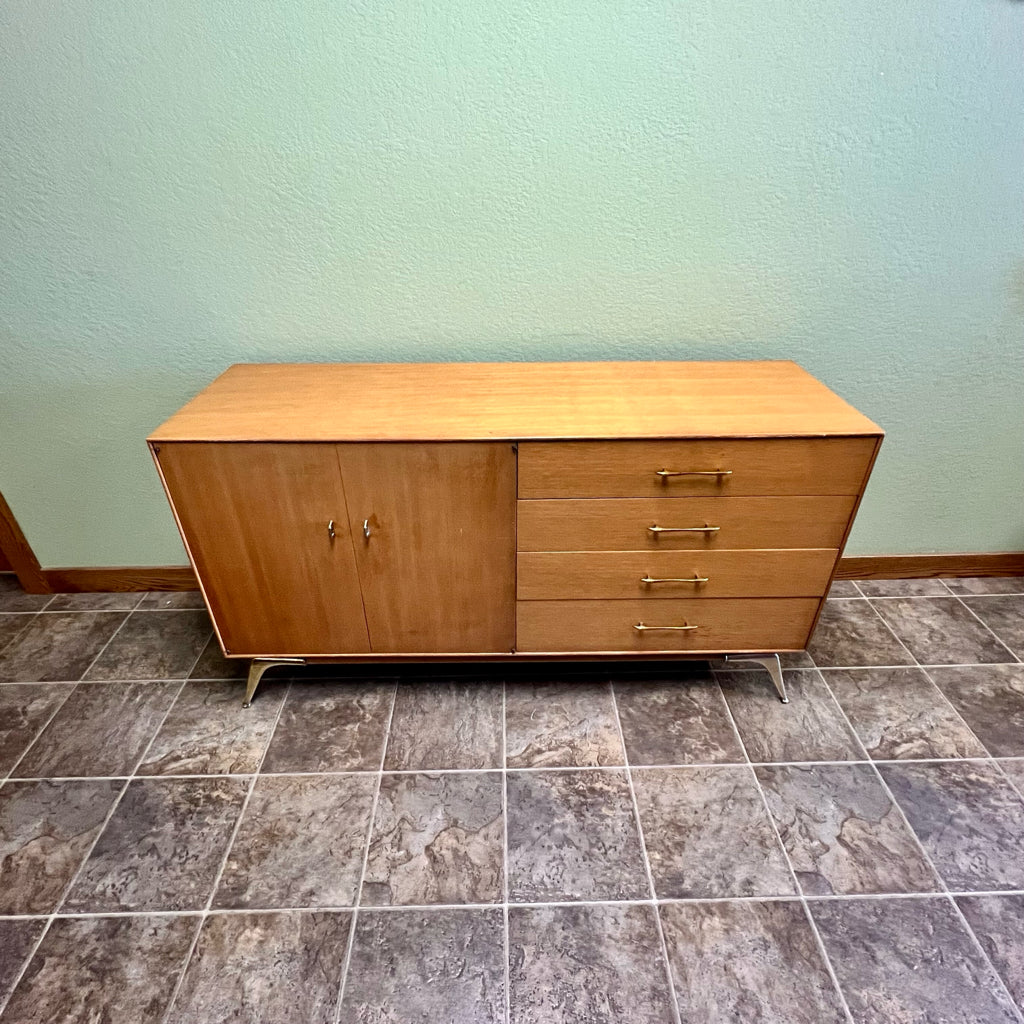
(512, 401)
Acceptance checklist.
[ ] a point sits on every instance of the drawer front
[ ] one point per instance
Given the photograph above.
(603, 575)
(599, 469)
(623, 524)
(728, 624)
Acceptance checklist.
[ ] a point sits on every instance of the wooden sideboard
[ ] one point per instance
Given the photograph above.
(514, 510)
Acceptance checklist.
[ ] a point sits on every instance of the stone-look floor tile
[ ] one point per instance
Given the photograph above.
(990, 698)
(162, 847)
(429, 966)
(264, 969)
(909, 961)
(103, 969)
(213, 665)
(24, 709)
(842, 832)
(941, 631)
(331, 727)
(95, 601)
(57, 647)
(1014, 771)
(795, 659)
(843, 588)
(14, 599)
(1004, 616)
(898, 713)
(987, 585)
(809, 728)
(101, 729)
(11, 626)
(669, 722)
(998, 923)
(598, 964)
(154, 645)
(165, 599)
(300, 843)
(753, 962)
(445, 724)
(209, 733)
(573, 836)
(968, 818)
(46, 830)
(561, 724)
(436, 839)
(708, 835)
(903, 588)
(17, 940)
(850, 635)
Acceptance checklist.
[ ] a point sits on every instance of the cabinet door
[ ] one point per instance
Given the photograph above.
(438, 567)
(255, 518)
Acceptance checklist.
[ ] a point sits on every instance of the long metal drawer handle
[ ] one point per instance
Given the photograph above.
(684, 529)
(695, 579)
(692, 472)
(641, 626)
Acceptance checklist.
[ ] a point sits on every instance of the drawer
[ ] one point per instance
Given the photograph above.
(595, 575)
(605, 469)
(622, 524)
(728, 624)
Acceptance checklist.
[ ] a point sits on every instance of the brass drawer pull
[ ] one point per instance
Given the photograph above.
(663, 473)
(695, 579)
(684, 529)
(330, 529)
(641, 626)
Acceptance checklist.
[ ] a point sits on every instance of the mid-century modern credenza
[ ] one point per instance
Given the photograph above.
(514, 510)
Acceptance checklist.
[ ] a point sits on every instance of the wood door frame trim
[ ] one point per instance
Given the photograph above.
(19, 553)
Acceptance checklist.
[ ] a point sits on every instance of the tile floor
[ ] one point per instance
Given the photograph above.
(536, 845)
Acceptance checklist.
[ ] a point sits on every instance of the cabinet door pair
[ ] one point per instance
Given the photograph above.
(320, 549)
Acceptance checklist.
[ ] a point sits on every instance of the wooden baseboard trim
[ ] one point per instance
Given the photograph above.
(121, 578)
(864, 567)
(898, 567)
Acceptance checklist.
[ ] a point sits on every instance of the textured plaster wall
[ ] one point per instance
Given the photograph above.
(186, 185)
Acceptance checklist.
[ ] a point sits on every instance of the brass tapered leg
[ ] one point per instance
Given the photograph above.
(771, 663)
(256, 670)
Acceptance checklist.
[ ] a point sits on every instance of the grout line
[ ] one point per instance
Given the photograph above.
(227, 850)
(421, 908)
(620, 769)
(646, 859)
(10, 774)
(67, 889)
(944, 888)
(505, 862)
(103, 649)
(29, 616)
(1017, 787)
(986, 625)
(798, 888)
(942, 693)
(202, 649)
(343, 981)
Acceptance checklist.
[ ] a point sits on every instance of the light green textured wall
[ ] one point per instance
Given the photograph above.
(186, 185)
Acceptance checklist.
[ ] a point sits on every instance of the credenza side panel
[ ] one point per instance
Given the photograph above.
(255, 519)
(438, 567)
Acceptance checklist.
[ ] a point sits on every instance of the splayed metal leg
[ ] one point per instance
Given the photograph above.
(256, 670)
(770, 662)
